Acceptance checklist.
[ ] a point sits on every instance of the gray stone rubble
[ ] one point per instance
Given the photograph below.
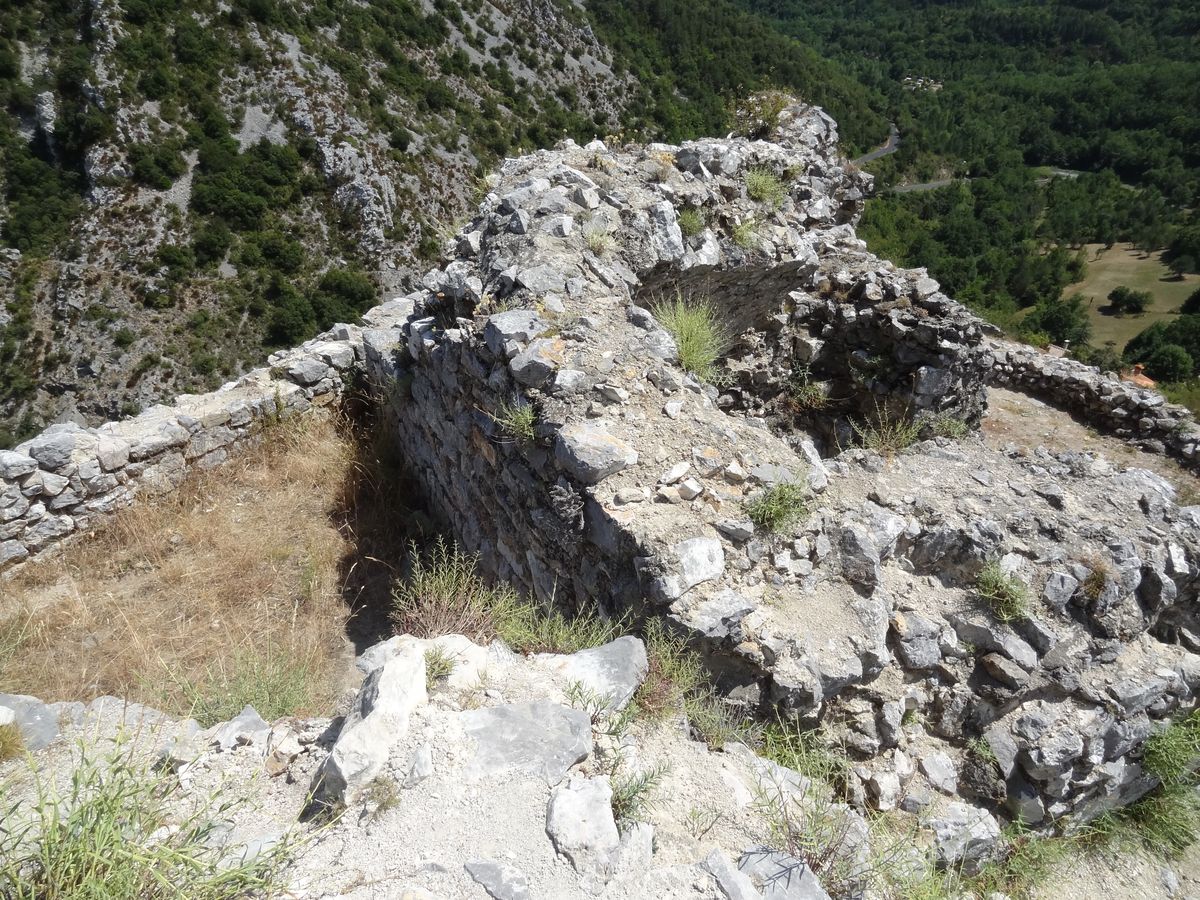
(631, 498)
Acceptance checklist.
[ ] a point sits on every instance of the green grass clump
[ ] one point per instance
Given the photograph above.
(517, 419)
(887, 432)
(276, 684)
(1172, 752)
(1166, 822)
(806, 752)
(102, 837)
(763, 186)
(745, 234)
(11, 742)
(717, 722)
(950, 427)
(438, 665)
(674, 672)
(676, 681)
(598, 238)
(700, 333)
(444, 594)
(778, 507)
(631, 793)
(1006, 595)
(691, 222)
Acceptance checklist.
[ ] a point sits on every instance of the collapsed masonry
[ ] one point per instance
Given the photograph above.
(630, 495)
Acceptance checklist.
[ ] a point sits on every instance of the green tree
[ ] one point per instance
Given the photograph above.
(1061, 320)
(1170, 362)
(1125, 301)
(1192, 304)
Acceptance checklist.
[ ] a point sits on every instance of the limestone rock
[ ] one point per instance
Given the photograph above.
(378, 718)
(612, 672)
(539, 738)
(579, 820)
(965, 835)
(591, 454)
(781, 877)
(501, 880)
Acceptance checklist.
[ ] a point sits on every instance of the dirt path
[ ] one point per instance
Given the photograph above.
(1129, 875)
(1027, 422)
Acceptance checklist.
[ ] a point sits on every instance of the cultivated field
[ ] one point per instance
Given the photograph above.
(1123, 265)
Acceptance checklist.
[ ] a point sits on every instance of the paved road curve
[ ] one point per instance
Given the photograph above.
(891, 146)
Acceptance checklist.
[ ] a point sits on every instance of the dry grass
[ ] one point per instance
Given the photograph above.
(1123, 265)
(227, 588)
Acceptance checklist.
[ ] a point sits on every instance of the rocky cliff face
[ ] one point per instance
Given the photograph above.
(218, 161)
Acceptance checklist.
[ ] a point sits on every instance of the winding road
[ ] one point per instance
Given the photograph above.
(890, 146)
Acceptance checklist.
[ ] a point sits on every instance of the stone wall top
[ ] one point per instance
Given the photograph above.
(1140, 415)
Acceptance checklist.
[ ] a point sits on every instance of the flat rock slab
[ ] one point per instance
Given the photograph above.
(37, 722)
(782, 877)
(500, 880)
(591, 454)
(538, 738)
(612, 672)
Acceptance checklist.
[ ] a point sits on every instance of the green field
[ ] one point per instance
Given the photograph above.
(1123, 265)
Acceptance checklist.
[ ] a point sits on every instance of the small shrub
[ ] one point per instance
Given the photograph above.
(598, 238)
(11, 742)
(276, 684)
(662, 166)
(123, 338)
(107, 838)
(756, 115)
(444, 594)
(745, 234)
(808, 824)
(717, 722)
(381, 795)
(1172, 752)
(805, 394)
(778, 507)
(1097, 578)
(888, 432)
(691, 222)
(517, 419)
(700, 333)
(1005, 594)
(438, 665)
(950, 427)
(763, 186)
(631, 793)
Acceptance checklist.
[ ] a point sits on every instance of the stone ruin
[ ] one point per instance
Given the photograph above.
(630, 496)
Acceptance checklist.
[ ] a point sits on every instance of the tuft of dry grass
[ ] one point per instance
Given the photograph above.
(11, 742)
(228, 588)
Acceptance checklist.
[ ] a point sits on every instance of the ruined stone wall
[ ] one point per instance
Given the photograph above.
(1141, 416)
(633, 491)
(61, 482)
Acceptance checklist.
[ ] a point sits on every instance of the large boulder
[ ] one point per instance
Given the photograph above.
(378, 719)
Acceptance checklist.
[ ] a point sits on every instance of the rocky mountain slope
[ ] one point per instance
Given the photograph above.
(186, 183)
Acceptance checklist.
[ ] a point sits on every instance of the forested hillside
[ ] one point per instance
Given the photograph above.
(185, 185)
(995, 99)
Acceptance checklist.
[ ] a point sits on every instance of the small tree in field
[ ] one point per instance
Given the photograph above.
(1125, 301)
(1191, 305)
